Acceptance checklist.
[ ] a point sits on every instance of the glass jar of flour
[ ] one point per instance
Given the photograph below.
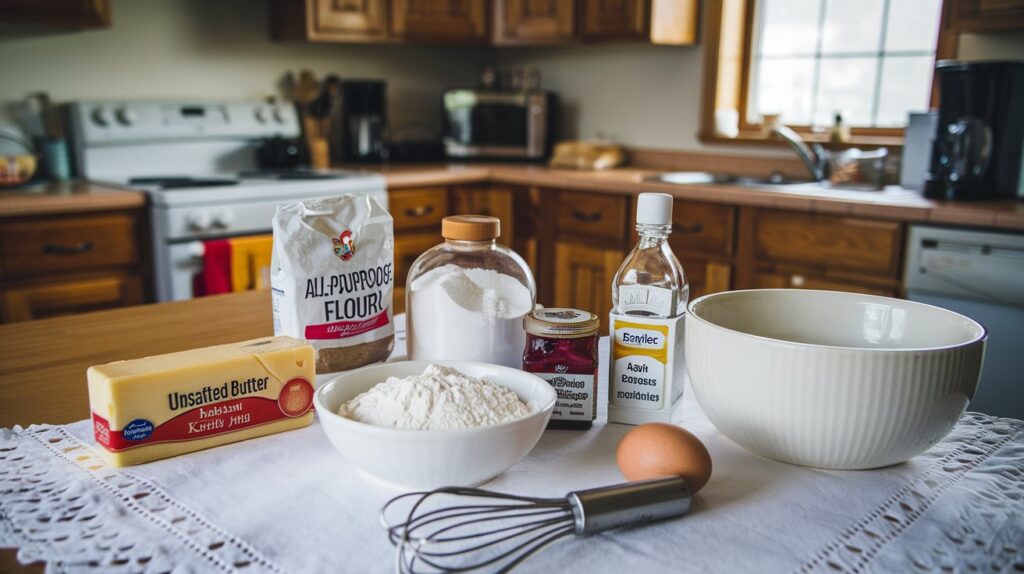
(466, 298)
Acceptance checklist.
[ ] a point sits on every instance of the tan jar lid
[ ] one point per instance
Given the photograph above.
(470, 227)
(561, 323)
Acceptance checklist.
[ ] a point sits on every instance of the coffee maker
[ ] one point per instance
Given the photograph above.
(976, 151)
(364, 124)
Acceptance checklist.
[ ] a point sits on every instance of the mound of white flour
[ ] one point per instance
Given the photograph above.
(440, 398)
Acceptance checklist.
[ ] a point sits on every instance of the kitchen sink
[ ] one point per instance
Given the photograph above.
(776, 182)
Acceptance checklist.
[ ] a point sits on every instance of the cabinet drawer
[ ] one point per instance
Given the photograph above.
(408, 246)
(43, 300)
(595, 214)
(39, 246)
(830, 241)
(704, 227)
(418, 208)
(706, 276)
(798, 280)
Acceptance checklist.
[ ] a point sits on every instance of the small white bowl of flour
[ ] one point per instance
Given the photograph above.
(423, 424)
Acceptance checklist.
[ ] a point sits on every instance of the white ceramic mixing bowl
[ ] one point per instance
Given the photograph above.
(427, 459)
(830, 379)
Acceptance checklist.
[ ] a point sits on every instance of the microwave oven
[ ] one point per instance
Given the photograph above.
(487, 124)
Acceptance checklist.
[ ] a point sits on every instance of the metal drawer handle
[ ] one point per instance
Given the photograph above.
(420, 211)
(51, 249)
(586, 217)
(692, 228)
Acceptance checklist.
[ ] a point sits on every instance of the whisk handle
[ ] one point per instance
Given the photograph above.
(629, 504)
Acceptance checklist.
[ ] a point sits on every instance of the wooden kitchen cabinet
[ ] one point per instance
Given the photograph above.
(602, 20)
(458, 21)
(62, 264)
(866, 246)
(488, 200)
(74, 14)
(583, 277)
(987, 15)
(68, 296)
(534, 22)
(799, 279)
(330, 20)
(599, 215)
(417, 215)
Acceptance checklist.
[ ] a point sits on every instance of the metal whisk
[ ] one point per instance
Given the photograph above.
(498, 531)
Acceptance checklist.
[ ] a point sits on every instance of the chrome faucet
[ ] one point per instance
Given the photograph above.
(815, 157)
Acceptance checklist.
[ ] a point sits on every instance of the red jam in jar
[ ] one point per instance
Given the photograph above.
(561, 348)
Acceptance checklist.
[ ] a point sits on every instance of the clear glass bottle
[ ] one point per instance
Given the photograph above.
(466, 298)
(649, 297)
(651, 281)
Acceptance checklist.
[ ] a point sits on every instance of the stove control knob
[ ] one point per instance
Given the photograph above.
(280, 114)
(102, 117)
(262, 114)
(197, 221)
(126, 116)
(221, 220)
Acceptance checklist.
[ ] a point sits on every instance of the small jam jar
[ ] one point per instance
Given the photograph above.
(561, 348)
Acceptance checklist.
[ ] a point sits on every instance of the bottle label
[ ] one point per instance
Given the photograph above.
(646, 299)
(576, 396)
(646, 364)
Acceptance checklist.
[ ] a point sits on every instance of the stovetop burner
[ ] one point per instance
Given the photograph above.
(182, 182)
(290, 174)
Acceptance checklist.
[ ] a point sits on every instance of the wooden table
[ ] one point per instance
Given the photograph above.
(43, 363)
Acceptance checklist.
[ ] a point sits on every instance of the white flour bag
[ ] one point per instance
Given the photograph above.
(332, 275)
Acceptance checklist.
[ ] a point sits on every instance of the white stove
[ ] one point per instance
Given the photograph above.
(197, 163)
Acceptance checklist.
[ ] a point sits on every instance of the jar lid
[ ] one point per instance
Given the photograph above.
(561, 323)
(470, 227)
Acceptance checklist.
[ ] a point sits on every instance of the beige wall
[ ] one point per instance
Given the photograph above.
(651, 95)
(218, 49)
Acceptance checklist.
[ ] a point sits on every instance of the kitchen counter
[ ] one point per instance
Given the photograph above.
(43, 363)
(67, 197)
(892, 203)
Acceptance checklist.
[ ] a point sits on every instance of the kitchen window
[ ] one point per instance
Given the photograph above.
(870, 61)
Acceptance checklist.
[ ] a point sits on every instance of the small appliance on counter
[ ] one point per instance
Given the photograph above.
(584, 155)
(364, 120)
(917, 149)
(507, 117)
(980, 131)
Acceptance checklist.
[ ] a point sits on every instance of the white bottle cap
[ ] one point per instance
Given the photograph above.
(654, 209)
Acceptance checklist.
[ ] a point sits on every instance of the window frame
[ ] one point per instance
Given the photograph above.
(726, 82)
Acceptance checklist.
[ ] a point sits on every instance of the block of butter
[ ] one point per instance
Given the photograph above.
(163, 406)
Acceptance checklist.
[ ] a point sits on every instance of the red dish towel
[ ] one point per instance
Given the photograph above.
(216, 275)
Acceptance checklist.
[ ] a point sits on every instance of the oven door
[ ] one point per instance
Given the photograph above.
(495, 124)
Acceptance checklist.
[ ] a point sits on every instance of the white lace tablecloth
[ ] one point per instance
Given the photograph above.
(289, 503)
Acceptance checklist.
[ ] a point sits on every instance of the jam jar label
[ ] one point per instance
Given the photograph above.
(576, 396)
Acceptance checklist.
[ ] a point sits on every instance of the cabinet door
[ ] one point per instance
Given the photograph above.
(534, 22)
(40, 301)
(350, 19)
(418, 208)
(496, 202)
(614, 19)
(794, 279)
(409, 246)
(583, 278)
(440, 20)
(57, 13)
(989, 15)
(706, 276)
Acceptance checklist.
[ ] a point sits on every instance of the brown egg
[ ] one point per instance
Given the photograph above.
(657, 450)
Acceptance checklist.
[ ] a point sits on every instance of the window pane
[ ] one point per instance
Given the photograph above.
(845, 85)
(784, 86)
(789, 27)
(906, 87)
(913, 25)
(852, 26)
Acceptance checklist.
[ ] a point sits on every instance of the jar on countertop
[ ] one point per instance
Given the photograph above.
(466, 298)
(561, 348)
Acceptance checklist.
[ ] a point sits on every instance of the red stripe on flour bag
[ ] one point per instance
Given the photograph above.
(345, 329)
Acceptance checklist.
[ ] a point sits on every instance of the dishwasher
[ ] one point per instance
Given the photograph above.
(979, 274)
